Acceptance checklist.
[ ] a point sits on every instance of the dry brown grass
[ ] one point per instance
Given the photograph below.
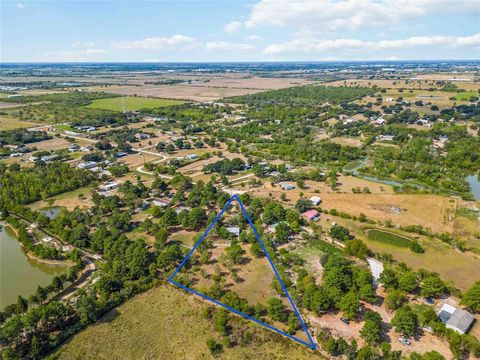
(55, 143)
(413, 209)
(347, 141)
(166, 323)
(9, 123)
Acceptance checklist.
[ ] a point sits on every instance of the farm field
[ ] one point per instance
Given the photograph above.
(211, 87)
(182, 92)
(167, 321)
(131, 103)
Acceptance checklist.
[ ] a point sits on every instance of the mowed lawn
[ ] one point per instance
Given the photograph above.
(131, 103)
(167, 323)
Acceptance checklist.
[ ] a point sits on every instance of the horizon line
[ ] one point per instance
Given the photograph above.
(234, 62)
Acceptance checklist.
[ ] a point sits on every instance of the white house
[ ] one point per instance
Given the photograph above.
(315, 200)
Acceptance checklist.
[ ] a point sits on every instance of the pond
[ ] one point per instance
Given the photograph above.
(51, 212)
(353, 169)
(20, 275)
(474, 182)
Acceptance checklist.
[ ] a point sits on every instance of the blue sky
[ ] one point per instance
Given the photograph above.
(261, 30)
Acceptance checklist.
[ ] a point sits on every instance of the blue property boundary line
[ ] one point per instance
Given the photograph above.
(310, 344)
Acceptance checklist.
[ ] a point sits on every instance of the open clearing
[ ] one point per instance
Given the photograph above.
(70, 200)
(166, 322)
(131, 103)
(402, 209)
(55, 143)
(347, 141)
(9, 123)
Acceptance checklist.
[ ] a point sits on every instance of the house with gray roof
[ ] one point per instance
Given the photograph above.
(456, 319)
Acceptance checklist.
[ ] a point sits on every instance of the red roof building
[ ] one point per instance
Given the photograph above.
(311, 214)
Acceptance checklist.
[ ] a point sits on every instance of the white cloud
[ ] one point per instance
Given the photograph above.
(253, 37)
(20, 6)
(77, 55)
(233, 27)
(213, 46)
(352, 14)
(305, 44)
(82, 44)
(156, 43)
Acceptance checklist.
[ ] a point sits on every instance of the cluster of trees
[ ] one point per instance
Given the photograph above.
(70, 106)
(225, 166)
(340, 347)
(121, 135)
(305, 95)
(344, 285)
(187, 113)
(401, 280)
(416, 159)
(22, 136)
(471, 298)
(20, 187)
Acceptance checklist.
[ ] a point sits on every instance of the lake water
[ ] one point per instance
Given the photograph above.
(20, 275)
(474, 182)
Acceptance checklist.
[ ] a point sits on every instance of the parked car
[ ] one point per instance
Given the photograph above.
(429, 301)
(345, 321)
(404, 340)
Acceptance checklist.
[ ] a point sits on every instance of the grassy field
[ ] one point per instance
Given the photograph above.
(388, 238)
(459, 268)
(9, 123)
(69, 199)
(166, 323)
(184, 237)
(465, 96)
(131, 103)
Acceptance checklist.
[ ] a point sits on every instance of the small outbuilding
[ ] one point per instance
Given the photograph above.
(234, 230)
(286, 186)
(312, 215)
(456, 319)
